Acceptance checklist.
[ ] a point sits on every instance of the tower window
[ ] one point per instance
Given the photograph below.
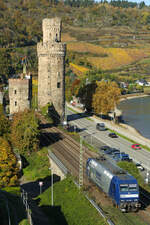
(15, 92)
(15, 103)
(56, 39)
(58, 84)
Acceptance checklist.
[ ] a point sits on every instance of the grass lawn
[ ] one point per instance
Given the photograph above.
(38, 165)
(70, 206)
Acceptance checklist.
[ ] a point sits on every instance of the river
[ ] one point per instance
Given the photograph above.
(136, 113)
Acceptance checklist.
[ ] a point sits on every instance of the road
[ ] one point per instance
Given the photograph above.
(99, 138)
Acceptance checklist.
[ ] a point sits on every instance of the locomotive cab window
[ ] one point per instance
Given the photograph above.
(132, 187)
(123, 187)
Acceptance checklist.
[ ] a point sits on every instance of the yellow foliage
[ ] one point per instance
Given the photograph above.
(106, 97)
(116, 57)
(5, 180)
(13, 180)
(8, 163)
(85, 47)
(145, 14)
(78, 69)
(35, 82)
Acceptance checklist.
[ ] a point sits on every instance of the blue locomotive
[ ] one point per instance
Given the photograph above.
(120, 186)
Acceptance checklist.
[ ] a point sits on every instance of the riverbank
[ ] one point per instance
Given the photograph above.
(131, 96)
(123, 129)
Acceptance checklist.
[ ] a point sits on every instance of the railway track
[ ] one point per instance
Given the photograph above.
(68, 150)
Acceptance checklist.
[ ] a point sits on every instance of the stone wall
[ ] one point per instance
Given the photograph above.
(56, 170)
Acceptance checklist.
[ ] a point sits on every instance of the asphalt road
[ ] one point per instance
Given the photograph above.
(99, 138)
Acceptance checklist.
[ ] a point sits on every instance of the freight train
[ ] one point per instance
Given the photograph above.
(120, 186)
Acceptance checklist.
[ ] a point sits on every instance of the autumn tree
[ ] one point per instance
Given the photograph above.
(9, 168)
(106, 97)
(24, 132)
(75, 87)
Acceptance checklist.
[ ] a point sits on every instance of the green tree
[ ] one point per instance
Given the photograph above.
(5, 63)
(132, 169)
(9, 168)
(4, 123)
(106, 97)
(86, 93)
(25, 132)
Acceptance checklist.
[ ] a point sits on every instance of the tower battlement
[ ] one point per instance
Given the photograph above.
(52, 30)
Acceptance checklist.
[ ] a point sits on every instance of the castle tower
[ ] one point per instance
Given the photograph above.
(20, 93)
(51, 67)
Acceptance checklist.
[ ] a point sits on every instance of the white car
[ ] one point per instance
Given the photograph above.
(139, 166)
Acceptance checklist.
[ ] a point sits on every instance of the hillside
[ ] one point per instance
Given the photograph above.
(114, 39)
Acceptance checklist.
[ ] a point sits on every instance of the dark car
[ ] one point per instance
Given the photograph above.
(104, 148)
(108, 152)
(100, 126)
(112, 135)
(115, 151)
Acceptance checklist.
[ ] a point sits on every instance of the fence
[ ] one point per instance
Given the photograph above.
(24, 196)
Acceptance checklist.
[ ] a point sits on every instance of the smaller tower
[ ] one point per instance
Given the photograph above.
(20, 93)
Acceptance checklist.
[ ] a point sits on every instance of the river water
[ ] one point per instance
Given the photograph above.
(136, 113)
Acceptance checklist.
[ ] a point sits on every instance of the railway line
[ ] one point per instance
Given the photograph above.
(68, 150)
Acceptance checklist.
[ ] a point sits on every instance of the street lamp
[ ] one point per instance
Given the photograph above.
(52, 203)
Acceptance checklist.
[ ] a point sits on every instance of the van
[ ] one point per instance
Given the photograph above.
(100, 126)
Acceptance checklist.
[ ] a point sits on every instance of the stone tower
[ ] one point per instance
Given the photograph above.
(20, 93)
(51, 67)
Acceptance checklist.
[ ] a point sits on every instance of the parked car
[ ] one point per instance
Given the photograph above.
(122, 156)
(136, 146)
(139, 166)
(104, 148)
(108, 151)
(100, 126)
(112, 135)
(115, 151)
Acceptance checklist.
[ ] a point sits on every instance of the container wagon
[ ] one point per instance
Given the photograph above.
(120, 186)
